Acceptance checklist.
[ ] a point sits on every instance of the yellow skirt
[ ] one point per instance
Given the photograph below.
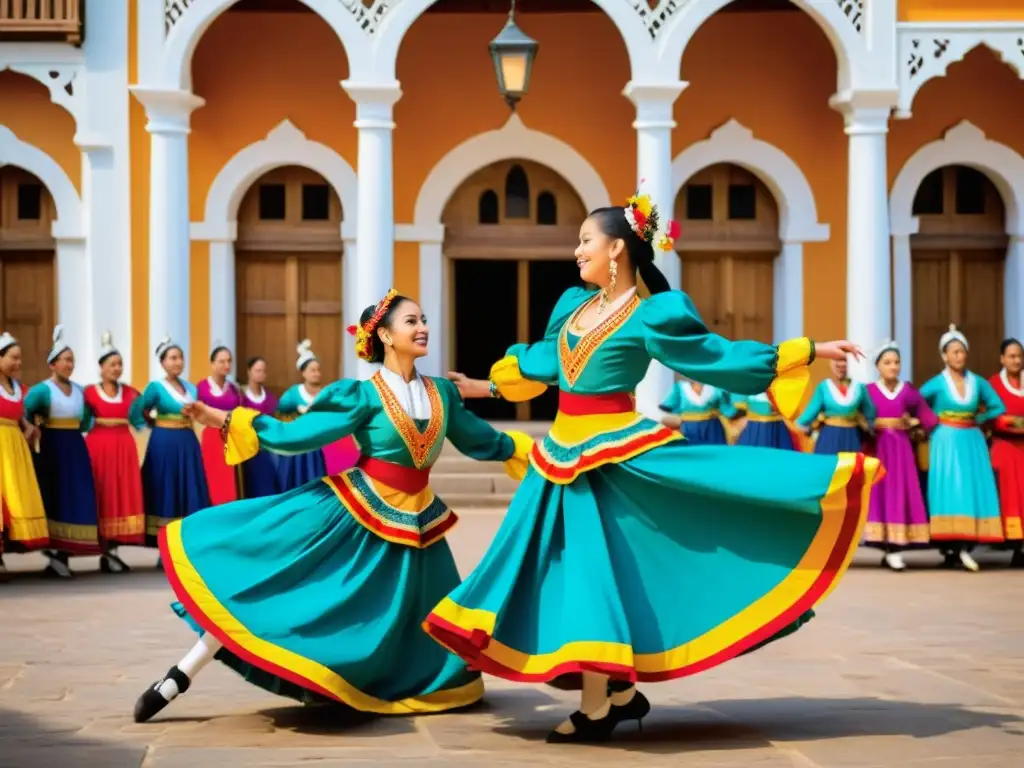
(23, 521)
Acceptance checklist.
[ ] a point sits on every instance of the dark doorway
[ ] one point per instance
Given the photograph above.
(548, 281)
(484, 293)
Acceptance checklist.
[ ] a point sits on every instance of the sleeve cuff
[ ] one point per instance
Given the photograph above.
(788, 389)
(511, 384)
(517, 464)
(242, 441)
(795, 353)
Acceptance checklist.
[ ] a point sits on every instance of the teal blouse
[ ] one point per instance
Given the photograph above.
(294, 400)
(979, 402)
(758, 405)
(45, 401)
(161, 397)
(369, 412)
(683, 401)
(830, 403)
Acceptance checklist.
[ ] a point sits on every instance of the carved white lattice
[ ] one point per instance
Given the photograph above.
(367, 13)
(854, 11)
(926, 53)
(656, 13)
(59, 80)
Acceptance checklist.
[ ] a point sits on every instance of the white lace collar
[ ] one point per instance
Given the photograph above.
(706, 394)
(9, 397)
(1005, 378)
(890, 394)
(253, 397)
(115, 400)
(307, 396)
(185, 398)
(214, 389)
(968, 396)
(852, 391)
(411, 395)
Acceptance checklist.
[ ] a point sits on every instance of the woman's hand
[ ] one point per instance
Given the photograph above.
(31, 432)
(205, 415)
(838, 350)
(470, 389)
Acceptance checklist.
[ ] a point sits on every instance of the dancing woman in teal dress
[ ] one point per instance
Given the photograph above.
(626, 554)
(318, 593)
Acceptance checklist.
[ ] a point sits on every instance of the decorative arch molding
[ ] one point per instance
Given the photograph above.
(842, 21)
(185, 23)
(798, 212)
(284, 145)
(14, 151)
(512, 141)
(963, 144)
(634, 19)
(927, 50)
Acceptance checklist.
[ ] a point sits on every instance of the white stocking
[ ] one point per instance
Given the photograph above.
(202, 653)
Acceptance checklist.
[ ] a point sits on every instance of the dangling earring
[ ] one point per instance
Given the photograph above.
(613, 272)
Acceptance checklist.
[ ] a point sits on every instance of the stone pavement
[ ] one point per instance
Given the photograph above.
(923, 669)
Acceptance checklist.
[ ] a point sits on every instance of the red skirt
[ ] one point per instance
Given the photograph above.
(118, 479)
(1008, 463)
(221, 479)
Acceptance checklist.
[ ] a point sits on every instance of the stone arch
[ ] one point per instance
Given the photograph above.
(844, 32)
(196, 18)
(628, 20)
(512, 141)
(963, 144)
(284, 145)
(798, 213)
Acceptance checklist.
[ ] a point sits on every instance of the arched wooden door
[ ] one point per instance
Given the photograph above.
(288, 274)
(958, 258)
(729, 242)
(510, 232)
(28, 275)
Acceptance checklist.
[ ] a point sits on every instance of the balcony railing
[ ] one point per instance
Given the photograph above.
(41, 20)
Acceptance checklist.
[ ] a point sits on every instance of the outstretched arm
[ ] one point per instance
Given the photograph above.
(477, 439)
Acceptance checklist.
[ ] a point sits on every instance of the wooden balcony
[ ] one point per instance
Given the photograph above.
(30, 20)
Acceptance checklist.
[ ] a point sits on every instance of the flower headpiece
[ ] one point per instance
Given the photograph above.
(644, 219)
(364, 333)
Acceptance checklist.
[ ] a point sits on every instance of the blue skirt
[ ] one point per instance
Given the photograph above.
(173, 479)
(295, 471)
(835, 440)
(68, 491)
(259, 476)
(767, 434)
(710, 432)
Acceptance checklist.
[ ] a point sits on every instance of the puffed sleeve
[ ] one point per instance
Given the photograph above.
(676, 336)
(340, 410)
(919, 409)
(813, 409)
(527, 370)
(37, 402)
(477, 439)
(142, 405)
(725, 405)
(992, 406)
(88, 417)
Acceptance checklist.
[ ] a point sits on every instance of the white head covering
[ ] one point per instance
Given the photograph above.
(889, 346)
(59, 345)
(952, 335)
(217, 344)
(6, 342)
(305, 350)
(107, 347)
(165, 344)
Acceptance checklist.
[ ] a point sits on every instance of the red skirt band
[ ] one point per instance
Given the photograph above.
(958, 423)
(572, 404)
(405, 479)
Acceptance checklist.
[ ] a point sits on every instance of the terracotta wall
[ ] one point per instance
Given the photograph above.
(961, 10)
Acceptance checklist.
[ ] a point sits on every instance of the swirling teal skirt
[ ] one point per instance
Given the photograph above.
(663, 565)
(311, 604)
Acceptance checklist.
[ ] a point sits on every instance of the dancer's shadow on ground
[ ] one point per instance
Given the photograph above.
(25, 741)
(757, 723)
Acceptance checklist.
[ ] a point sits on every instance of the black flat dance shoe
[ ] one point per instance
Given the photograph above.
(587, 731)
(113, 564)
(636, 708)
(152, 701)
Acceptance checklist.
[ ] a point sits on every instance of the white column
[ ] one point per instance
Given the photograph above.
(168, 112)
(373, 273)
(788, 293)
(73, 304)
(903, 306)
(1013, 288)
(350, 307)
(868, 285)
(432, 290)
(223, 293)
(654, 123)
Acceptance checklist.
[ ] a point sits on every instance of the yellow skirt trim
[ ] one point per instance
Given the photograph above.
(300, 666)
(757, 615)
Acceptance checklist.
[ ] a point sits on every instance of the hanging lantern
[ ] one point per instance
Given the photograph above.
(513, 53)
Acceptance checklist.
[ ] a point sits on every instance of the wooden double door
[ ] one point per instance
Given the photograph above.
(963, 287)
(732, 291)
(497, 303)
(283, 298)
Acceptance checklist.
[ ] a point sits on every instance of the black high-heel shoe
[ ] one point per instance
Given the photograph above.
(636, 708)
(152, 701)
(587, 731)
